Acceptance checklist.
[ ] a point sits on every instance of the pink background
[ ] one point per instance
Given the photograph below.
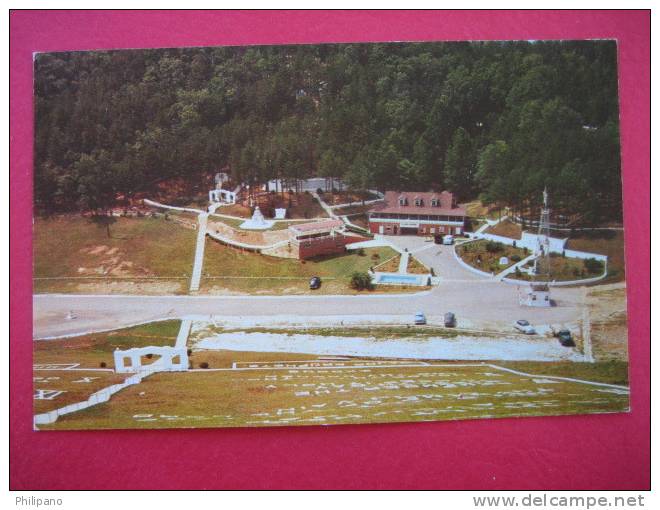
(576, 452)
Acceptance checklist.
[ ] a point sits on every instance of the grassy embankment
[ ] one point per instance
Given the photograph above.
(91, 351)
(329, 395)
(229, 270)
(604, 242)
(141, 255)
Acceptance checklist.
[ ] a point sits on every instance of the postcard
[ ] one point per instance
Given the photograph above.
(327, 234)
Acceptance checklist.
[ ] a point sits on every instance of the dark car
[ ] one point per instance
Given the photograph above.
(565, 338)
(437, 239)
(315, 283)
(450, 320)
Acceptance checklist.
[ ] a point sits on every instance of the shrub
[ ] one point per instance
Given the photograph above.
(375, 256)
(515, 258)
(203, 364)
(593, 266)
(189, 352)
(319, 191)
(494, 247)
(361, 281)
(361, 252)
(149, 356)
(103, 364)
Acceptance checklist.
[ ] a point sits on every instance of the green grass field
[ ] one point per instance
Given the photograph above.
(226, 269)
(145, 255)
(266, 389)
(89, 351)
(340, 392)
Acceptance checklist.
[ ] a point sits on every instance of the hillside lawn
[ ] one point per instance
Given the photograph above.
(506, 228)
(604, 242)
(140, 253)
(208, 398)
(91, 350)
(389, 393)
(231, 270)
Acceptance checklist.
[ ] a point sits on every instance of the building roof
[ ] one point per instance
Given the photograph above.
(316, 226)
(445, 201)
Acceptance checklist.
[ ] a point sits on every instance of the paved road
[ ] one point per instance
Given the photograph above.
(477, 302)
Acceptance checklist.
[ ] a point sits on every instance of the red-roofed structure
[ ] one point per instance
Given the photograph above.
(417, 213)
(318, 238)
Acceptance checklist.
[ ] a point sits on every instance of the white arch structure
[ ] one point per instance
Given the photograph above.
(222, 195)
(172, 359)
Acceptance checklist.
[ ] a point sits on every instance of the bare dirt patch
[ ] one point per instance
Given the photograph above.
(609, 324)
(506, 228)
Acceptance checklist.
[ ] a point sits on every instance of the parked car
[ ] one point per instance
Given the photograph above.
(315, 283)
(420, 318)
(524, 327)
(565, 338)
(448, 239)
(450, 320)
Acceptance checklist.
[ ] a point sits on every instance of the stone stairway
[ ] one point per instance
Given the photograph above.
(199, 252)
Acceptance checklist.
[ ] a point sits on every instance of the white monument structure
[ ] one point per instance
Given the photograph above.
(224, 196)
(257, 222)
(280, 214)
(172, 359)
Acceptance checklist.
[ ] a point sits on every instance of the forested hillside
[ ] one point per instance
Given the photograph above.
(497, 121)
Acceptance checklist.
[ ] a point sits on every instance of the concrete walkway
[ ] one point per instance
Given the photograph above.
(202, 219)
(184, 331)
(489, 223)
(325, 206)
(403, 262)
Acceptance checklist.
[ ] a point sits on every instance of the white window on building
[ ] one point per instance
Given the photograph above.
(458, 230)
(441, 230)
(432, 230)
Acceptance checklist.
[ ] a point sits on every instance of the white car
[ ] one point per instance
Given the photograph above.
(524, 327)
(420, 318)
(448, 240)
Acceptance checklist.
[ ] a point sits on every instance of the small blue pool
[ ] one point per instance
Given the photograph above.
(401, 279)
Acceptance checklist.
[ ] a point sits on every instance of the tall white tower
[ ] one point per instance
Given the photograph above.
(542, 261)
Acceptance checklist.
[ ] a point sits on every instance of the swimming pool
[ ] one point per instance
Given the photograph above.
(401, 279)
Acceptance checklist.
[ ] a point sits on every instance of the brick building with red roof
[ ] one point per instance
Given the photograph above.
(319, 238)
(417, 213)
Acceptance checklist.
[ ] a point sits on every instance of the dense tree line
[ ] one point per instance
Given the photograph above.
(496, 120)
